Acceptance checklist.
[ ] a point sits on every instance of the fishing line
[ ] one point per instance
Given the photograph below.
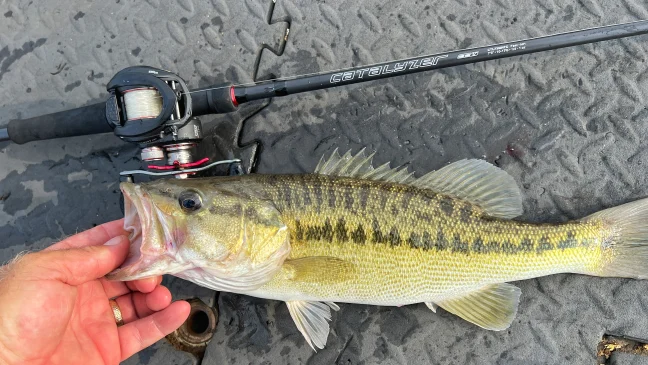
(184, 171)
(142, 103)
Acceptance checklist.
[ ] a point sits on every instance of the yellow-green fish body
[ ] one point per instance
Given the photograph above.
(357, 234)
(410, 245)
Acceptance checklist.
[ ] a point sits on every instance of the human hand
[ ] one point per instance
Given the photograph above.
(54, 305)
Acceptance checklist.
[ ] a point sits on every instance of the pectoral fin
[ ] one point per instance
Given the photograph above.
(320, 269)
(492, 307)
(312, 319)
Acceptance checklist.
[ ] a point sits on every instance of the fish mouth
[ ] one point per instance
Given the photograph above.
(144, 259)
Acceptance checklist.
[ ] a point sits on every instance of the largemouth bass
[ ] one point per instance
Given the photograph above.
(352, 233)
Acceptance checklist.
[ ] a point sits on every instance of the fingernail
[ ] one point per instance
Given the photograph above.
(114, 241)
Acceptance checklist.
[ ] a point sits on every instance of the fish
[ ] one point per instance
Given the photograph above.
(353, 233)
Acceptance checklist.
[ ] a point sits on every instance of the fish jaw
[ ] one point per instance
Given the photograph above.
(153, 247)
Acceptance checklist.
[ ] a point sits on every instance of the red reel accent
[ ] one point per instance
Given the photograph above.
(233, 97)
(179, 165)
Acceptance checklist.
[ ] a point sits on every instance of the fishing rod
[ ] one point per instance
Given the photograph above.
(155, 109)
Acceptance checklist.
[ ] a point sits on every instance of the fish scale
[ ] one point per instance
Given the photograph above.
(395, 262)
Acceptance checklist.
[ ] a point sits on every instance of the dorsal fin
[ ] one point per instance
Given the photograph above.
(359, 166)
(478, 182)
(475, 181)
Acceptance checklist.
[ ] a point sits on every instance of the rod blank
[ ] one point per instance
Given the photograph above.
(436, 61)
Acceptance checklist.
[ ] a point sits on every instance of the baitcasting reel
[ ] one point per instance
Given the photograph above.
(153, 108)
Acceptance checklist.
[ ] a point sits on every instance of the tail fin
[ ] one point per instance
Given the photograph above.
(629, 242)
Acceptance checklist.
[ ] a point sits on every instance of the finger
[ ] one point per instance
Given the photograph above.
(92, 237)
(138, 305)
(137, 335)
(145, 285)
(77, 265)
(117, 288)
(114, 288)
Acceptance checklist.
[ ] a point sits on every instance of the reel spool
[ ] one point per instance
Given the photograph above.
(153, 108)
(142, 103)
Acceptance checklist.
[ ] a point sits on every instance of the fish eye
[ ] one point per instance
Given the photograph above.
(190, 201)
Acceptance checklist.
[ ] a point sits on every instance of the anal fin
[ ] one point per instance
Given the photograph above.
(311, 319)
(492, 307)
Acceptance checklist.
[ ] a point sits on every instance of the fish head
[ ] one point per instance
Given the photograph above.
(201, 227)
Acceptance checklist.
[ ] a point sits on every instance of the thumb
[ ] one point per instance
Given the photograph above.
(79, 265)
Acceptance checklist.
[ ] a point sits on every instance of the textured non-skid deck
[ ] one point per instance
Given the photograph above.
(568, 125)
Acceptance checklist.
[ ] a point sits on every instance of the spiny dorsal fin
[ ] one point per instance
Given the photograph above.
(476, 181)
(492, 307)
(359, 166)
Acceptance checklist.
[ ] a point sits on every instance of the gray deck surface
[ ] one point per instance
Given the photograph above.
(569, 125)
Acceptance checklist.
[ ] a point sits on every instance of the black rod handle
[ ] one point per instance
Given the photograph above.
(89, 119)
